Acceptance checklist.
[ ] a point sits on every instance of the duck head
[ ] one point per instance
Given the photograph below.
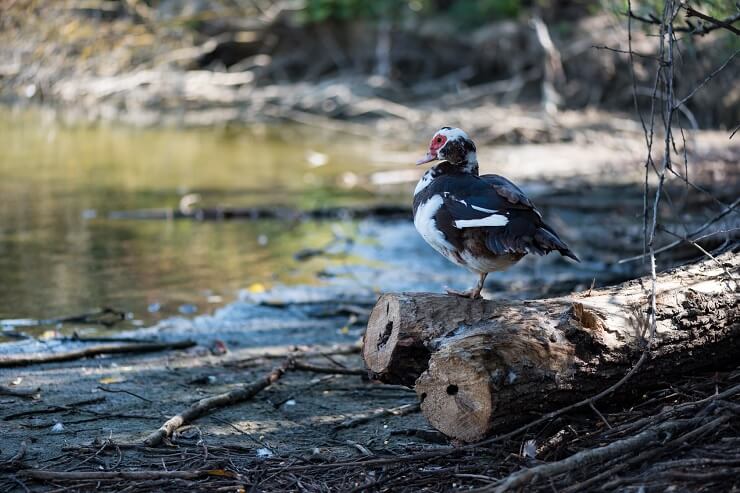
(454, 146)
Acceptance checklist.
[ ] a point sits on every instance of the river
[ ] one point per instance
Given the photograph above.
(61, 254)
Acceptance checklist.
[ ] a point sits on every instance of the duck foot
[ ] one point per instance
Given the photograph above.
(473, 294)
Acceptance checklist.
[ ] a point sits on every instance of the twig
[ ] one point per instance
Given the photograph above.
(598, 455)
(626, 52)
(716, 23)
(18, 456)
(377, 413)
(94, 351)
(726, 23)
(707, 79)
(118, 475)
(674, 244)
(702, 250)
(598, 413)
(298, 365)
(73, 406)
(203, 406)
(453, 452)
(122, 391)
(343, 350)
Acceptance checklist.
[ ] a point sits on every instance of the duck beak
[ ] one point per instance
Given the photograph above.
(427, 158)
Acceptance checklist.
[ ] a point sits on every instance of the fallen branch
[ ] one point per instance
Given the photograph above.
(118, 475)
(73, 406)
(105, 316)
(253, 360)
(203, 406)
(122, 391)
(599, 455)
(300, 366)
(18, 456)
(89, 352)
(22, 393)
(378, 413)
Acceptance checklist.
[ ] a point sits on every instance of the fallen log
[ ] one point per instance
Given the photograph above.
(477, 365)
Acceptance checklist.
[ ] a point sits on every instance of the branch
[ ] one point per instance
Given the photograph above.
(690, 12)
(674, 244)
(93, 351)
(600, 455)
(706, 79)
(300, 366)
(717, 23)
(44, 475)
(23, 393)
(203, 406)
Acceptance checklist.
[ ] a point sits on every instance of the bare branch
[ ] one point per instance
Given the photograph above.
(690, 28)
(703, 227)
(707, 79)
(717, 23)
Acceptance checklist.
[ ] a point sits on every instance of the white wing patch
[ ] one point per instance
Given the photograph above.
(426, 225)
(492, 220)
(452, 197)
(482, 209)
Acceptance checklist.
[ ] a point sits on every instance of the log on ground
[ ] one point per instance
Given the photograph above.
(480, 365)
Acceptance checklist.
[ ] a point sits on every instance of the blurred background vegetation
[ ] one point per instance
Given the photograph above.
(417, 50)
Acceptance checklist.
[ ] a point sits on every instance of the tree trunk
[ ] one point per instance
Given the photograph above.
(482, 364)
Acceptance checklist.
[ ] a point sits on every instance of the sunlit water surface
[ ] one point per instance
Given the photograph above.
(61, 254)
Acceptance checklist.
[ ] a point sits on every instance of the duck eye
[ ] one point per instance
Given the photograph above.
(438, 140)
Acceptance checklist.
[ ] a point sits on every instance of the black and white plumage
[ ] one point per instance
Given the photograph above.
(483, 223)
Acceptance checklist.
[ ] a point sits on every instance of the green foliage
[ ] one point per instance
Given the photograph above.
(344, 10)
(476, 12)
(462, 12)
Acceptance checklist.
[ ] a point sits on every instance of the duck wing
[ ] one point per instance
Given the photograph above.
(511, 223)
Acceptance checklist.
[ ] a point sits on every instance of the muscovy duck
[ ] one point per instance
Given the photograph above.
(483, 223)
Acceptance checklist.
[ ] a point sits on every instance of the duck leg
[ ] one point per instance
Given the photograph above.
(473, 293)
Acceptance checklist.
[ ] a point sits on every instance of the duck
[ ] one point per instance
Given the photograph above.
(484, 223)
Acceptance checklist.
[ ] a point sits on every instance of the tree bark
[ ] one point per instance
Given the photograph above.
(479, 365)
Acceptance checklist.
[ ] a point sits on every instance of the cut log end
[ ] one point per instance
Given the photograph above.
(396, 348)
(382, 336)
(456, 397)
(392, 350)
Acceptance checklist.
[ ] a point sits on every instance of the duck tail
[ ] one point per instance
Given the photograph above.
(548, 241)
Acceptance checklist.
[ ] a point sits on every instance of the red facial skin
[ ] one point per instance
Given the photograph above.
(436, 144)
(438, 141)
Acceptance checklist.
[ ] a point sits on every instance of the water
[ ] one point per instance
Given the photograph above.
(60, 254)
